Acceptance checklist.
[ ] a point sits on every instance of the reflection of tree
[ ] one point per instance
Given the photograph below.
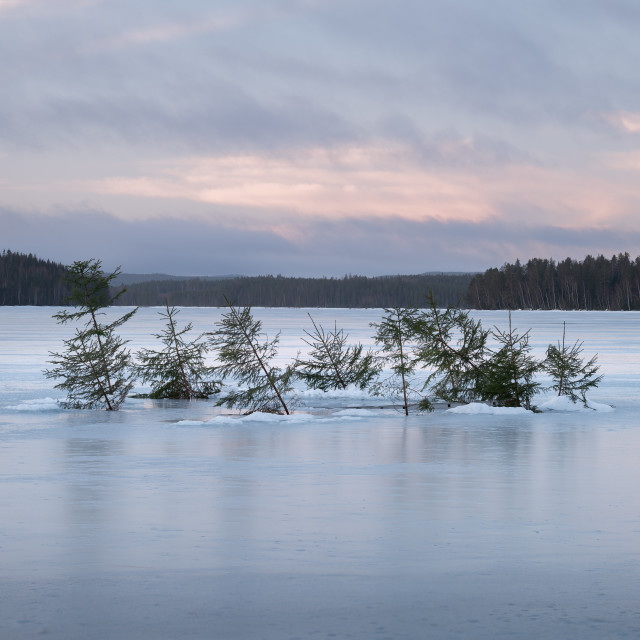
(90, 463)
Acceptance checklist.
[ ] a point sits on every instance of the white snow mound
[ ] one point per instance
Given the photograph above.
(350, 393)
(39, 404)
(476, 408)
(357, 413)
(344, 415)
(258, 416)
(599, 406)
(564, 403)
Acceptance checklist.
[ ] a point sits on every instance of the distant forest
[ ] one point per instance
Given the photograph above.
(27, 280)
(593, 283)
(278, 291)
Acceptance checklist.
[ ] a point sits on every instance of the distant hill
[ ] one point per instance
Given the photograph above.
(279, 291)
(127, 279)
(28, 280)
(593, 283)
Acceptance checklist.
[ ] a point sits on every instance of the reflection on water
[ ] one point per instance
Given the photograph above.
(128, 524)
(429, 510)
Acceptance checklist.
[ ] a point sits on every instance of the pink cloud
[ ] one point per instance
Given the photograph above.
(168, 31)
(353, 181)
(380, 181)
(628, 121)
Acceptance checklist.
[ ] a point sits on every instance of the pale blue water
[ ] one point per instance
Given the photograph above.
(131, 525)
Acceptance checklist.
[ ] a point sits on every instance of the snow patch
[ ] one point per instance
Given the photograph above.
(39, 404)
(344, 415)
(350, 393)
(358, 413)
(564, 403)
(476, 408)
(599, 406)
(258, 416)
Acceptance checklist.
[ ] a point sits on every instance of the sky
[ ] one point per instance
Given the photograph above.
(319, 137)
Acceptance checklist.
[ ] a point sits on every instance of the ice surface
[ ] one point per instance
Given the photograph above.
(174, 519)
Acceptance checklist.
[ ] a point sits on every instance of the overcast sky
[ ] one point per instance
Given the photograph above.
(319, 137)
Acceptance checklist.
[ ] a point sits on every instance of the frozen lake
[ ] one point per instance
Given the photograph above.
(154, 523)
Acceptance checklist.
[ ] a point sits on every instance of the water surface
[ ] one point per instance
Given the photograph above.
(132, 525)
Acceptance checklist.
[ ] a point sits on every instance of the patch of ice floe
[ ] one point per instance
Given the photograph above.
(39, 404)
(344, 415)
(476, 408)
(350, 393)
(564, 403)
(557, 403)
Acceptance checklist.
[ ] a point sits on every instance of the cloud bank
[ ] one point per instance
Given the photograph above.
(319, 137)
(310, 247)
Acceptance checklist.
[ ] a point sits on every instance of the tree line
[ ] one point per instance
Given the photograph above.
(28, 280)
(593, 284)
(97, 369)
(278, 291)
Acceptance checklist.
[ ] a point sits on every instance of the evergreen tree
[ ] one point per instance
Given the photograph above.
(394, 334)
(332, 364)
(178, 370)
(453, 346)
(571, 376)
(593, 283)
(507, 376)
(245, 355)
(96, 367)
(28, 280)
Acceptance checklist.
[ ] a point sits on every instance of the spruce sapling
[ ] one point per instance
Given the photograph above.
(394, 334)
(571, 376)
(96, 367)
(453, 346)
(332, 364)
(245, 355)
(179, 369)
(507, 376)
